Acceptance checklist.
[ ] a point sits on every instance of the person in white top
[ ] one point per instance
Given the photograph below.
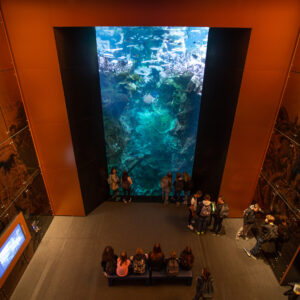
(192, 209)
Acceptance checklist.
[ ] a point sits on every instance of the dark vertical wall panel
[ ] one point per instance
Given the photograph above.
(226, 54)
(77, 53)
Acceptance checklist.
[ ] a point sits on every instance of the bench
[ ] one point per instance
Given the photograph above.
(183, 276)
(130, 278)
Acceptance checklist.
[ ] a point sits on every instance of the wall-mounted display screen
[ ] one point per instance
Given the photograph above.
(12, 244)
(10, 248)
(151, 82)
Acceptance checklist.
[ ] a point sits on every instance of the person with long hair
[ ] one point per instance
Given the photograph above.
(186, 259)
(205, 288)
(126, 183)
(156, 258)
(187, 187)
(114, 183)
(109, 260)
(123, 264)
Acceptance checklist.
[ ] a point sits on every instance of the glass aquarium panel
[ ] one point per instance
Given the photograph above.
(151, 81)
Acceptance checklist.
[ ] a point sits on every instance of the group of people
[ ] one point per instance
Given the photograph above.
(156, 261)
(203, 211)
(182, 187)
(267, 231)
(141, 261)
(114, 184)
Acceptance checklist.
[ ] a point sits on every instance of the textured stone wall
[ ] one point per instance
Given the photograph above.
(21, 184)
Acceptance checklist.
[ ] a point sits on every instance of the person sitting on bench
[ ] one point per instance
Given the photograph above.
(172, 268)
(139, 261)
(109, 261)
(186, 259)
(156, 258)
(123, 264)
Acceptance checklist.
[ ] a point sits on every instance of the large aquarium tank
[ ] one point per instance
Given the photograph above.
(151, 81)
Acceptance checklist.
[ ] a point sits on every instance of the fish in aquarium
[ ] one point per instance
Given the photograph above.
(151, 81)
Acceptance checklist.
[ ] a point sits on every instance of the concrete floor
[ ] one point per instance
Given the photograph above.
(67, 262)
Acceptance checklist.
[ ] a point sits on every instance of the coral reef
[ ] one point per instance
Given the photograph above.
(151, 80)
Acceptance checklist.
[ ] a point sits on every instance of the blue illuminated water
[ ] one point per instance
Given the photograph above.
(151, 80)
(10, 248)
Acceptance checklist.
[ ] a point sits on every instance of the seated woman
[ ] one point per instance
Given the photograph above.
(123, 264)
(109, 261)
(172, 268)
(156, 258)
(139, 261)
(186, 259)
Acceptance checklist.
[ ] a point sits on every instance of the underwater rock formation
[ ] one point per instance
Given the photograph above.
(151, 80)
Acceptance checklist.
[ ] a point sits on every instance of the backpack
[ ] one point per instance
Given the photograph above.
(205, 210)
(208, 288)
(126, 184)
(110, 267)
(172, 267)
(139, 265)
(224, 211)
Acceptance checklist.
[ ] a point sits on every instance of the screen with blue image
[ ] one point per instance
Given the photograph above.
(10, 248)
(151, 82)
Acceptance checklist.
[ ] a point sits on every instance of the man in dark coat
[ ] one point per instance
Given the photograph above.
(269, 231)
(248, 222)
(221, 213)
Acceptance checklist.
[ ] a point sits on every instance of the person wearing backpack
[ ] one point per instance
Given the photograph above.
(123, 264)
(126, 183)
(114, 183)
(205, 287)
(178, 187)
(203, 213)
(248, 221)
(186, 259)
(139, 262)
(109, 261)
(187, 187)
(221, 212)
(172, 268)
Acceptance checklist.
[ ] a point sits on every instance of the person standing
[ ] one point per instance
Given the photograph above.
(187, 187)
(114, 183)
(166, 186)
(126, 183)
(248, 221)
(203, 213)
(178, 187)
(192, 210)
(269, 231)
(205, 287)
(222, 211)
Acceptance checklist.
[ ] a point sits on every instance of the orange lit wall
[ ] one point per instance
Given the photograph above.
(274, 24)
